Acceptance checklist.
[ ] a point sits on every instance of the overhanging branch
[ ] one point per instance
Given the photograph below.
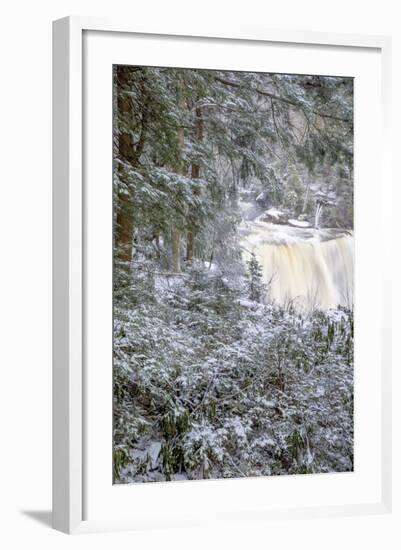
(275, 97)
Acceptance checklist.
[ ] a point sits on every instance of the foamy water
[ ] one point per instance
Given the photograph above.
(308, 268)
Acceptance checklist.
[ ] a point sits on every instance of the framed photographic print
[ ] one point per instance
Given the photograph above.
(220, 320)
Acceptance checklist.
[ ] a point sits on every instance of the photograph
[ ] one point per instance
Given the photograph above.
(233, 274)
(200, 332)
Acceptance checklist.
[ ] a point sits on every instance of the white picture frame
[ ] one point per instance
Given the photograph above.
(70, 256)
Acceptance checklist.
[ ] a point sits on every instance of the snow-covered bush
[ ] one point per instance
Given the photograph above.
(207, 388)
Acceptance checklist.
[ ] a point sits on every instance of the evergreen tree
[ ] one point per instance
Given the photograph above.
(187, 142)
(256, 287)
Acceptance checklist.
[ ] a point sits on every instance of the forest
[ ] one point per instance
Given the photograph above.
(233, 274)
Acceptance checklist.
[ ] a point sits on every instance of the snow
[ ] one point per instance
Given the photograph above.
(212, 267)
(257, 415)
(151, 451)
(216, 372)
(179, 477)
(248, 303)
(275, 212)
(249, 210)
(299, 223)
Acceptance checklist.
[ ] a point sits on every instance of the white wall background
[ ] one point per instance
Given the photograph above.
(25, 217)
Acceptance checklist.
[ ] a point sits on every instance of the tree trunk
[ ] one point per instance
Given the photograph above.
(124, 229)
(195, 171)
(129, 153)
(305, 204)
(175, 232)
(124, 220)
(175, 250)
(190, 245)
(195, 174)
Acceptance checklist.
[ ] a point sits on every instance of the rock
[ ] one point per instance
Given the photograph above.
(262, 199)
(273, 215)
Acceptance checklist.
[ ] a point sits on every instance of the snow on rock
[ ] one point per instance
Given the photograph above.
(275, 213)
(299, 223)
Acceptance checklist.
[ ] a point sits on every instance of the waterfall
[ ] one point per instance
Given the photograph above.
(306, 268)
(319, 208)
